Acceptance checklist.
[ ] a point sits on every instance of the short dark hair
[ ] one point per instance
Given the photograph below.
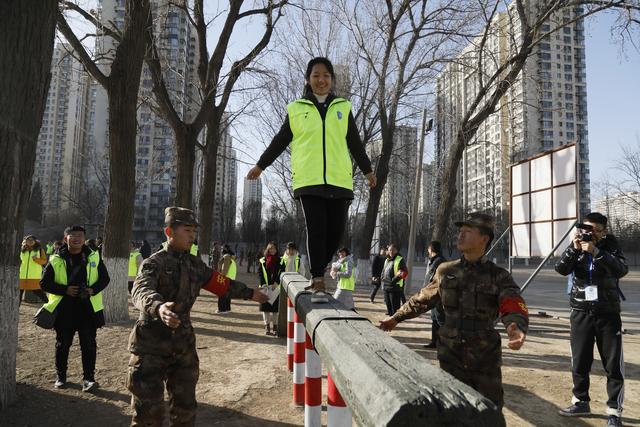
(318, 60)
(435, 246)
(226, 250)
(292, 245)
(74, 228)
(345, 250)
(596, 218)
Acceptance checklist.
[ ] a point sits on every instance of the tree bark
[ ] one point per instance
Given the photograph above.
(122, 90)
(186, 138)
(208, 191)
(27, 31)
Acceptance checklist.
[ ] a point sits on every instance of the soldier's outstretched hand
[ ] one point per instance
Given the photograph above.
(167, 316)
(516, 337)
(388, 324)
(259, 297)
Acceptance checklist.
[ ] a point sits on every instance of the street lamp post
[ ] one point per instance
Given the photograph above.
(424, 130)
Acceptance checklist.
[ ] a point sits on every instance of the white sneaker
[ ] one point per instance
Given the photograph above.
(88, 386)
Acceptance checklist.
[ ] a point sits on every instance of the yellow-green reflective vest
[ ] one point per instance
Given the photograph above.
(29, 269)
(194, 250)
(60, 277)
(285, 259)
(232, 272)
(319, 152)
(396, 267)
(133, 266)
(346, 283)
(49, 249)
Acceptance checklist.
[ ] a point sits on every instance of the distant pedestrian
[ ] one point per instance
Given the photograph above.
(322, 133)
(135, 260)
(434, 250)
(227, 267)
(145, 250)
(269, 276)
(346, 279)
(393, 275)
(376, 271)
(291, 258)
(32, 258)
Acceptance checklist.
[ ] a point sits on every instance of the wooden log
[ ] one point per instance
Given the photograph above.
(383, 382)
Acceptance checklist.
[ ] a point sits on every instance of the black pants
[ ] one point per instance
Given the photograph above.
(88, 348)
(374, 291)
(224, 303)
(325, 220)
(37, 292)
(606, 331)
(393, 299)
(437, 320)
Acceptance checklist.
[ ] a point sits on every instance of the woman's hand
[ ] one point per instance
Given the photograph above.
(254, 173)
(371, 177)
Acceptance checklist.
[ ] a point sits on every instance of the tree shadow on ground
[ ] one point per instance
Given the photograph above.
(240, 337)
(39, 407)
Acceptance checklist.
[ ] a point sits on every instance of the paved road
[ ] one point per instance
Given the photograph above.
(547, 292)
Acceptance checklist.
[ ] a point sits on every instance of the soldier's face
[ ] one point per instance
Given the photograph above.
(471, 240)
(181, 237)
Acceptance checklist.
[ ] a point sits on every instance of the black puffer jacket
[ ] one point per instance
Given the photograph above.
(608, 266)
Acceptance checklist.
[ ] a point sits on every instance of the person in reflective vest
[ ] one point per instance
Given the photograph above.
(227, 267)
(393, 274)
(32, 258)
(135, 259)
(194, 248)
(291, 258)
(74, 280)
(269, 276)
(345, 274)
(322, 134)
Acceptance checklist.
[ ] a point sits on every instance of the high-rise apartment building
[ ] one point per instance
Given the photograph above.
(61, 153)
(544, 109)
(224, 207)
(622, 211)
(252, 192)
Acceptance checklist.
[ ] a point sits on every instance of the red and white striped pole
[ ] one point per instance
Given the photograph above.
(290, 312)
(312, 386)
(298, 361)
(338, 415)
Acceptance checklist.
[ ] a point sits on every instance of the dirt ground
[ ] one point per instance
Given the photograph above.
(244, 379)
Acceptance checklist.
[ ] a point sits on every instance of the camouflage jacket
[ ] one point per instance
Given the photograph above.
(169, 276)
(474, 295)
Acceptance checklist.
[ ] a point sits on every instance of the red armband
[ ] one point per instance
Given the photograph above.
(218, 284)
(403, 274)
(513, 305)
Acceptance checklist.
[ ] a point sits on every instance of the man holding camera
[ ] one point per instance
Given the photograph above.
(74, 280)
(597, 263)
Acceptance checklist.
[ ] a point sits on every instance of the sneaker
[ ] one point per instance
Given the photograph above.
(60, 383)
(578, 409)
(88, 386)
(614, 421)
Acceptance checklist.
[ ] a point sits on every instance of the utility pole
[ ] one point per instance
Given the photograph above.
(424, 130)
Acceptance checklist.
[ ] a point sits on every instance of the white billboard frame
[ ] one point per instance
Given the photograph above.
(537, 229)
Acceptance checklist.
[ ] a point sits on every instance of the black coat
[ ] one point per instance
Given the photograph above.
(377, 265)
(74, 310)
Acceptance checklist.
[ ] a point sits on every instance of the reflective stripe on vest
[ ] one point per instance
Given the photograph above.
(346, 283)
(396, 267)
(319, 152)
(29, 269)
(59, 266)
(133, 265)
(285, 261)
(263, 266)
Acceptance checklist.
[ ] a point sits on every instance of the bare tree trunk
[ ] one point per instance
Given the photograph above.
(208, 192)
(186, 140)
(123, 85)
(27, 30)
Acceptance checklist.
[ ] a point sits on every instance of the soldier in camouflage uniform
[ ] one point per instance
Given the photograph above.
(162, 342)
(474, 293)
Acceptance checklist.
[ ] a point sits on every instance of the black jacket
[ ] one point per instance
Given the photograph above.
(283, 138)
(434, 263)
(608, 266)
(377, 265)
(72, 310)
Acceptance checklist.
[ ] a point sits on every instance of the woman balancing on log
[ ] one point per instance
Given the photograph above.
(322, 132)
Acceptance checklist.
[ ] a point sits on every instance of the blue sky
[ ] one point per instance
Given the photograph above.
(613, 96)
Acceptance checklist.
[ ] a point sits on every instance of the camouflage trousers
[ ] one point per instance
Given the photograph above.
(146, 379)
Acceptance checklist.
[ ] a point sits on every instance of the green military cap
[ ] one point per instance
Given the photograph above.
(479, 220)
(175, 215)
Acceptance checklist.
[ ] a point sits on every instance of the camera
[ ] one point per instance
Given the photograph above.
(83, 293)
(587, 232)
